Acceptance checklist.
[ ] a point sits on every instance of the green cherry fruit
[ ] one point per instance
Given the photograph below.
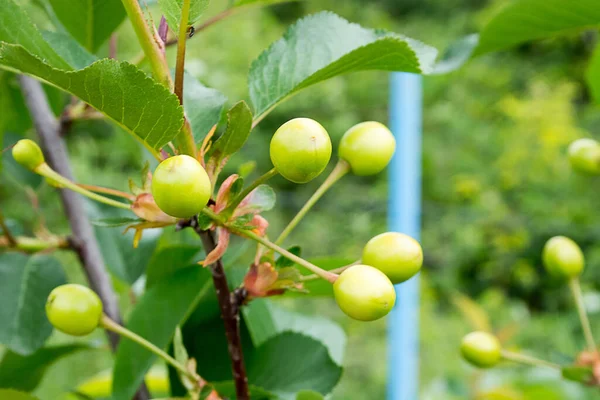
(27, 153)
(368, 147)
(300, 150)
(562, 257)
(180, 186)
(395, 254)
(481, 349)
(74, 309)
(584, 156)
(364, 293)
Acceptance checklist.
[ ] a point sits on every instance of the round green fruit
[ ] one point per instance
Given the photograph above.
(27, 153)
(74, 309)
(395, 254)
(300, 150)
(368, 147)
(180, 186)
(364, 293)
(562, 257)
(584, 155)
(481, 349)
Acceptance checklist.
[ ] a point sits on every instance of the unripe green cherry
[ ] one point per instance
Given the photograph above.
(481, 349)
(300, 150)
(74, 309)
(368, 147)
(27, 153)
(180, 186)
(364, 293)
(584, 155)
(563, 258)
(395, 254)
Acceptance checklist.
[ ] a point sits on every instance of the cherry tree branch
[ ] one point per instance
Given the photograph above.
(83, 241)
(229, 303)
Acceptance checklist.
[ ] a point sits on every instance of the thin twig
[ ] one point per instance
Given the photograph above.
(83, 241)
(206, 24)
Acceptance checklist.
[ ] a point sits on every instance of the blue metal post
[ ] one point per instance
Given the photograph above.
(404, 215)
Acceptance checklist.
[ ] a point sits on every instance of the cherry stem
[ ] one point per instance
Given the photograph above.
(341, 169)
(185, 138)
(244, 193)
(158, 63)
(528, 360)
(333, 271)
(112, 192)
(110, 325)
(34, 245)
(327, 275)
(9, 237)
(575, 287)
(45, 170)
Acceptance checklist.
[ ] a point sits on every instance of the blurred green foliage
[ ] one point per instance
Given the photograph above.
(496, 186)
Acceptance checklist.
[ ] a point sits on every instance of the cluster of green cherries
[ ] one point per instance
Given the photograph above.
(300, 151)
(563, 259)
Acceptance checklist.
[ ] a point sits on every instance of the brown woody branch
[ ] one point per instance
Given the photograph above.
(83, 240)
(229, 303)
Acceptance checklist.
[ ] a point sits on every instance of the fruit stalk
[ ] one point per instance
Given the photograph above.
(341, 169)
(327, 275)
(84, 241)
(48, 172)
(158, 63)
(231, 318)
(528, 360)
(259, 181)
(185, 138)
(112, 326)
(583, 317)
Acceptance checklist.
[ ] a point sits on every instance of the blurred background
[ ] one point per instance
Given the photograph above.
(496, 186)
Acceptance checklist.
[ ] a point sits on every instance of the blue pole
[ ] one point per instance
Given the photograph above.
(404, 215)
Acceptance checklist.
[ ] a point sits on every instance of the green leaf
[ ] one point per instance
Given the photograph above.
(121, 258)
(26, 372)
(325, 45)
(91, 22)
(69, 49)
(259, 200)
(281, 365)
(593, 74)
(227, 390)
(25, 283)
(10, 394)
(456, 54)
(203, 106)
(265, 320)
(239, 3)
(17, 28)
(168, 260)
(119, 90)
(239, 125)
(577, 373)
(114, 222)
(309, 395)
(14, 116)
(525, 20)
(283, 262)
(172, 12)
(158, 312)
